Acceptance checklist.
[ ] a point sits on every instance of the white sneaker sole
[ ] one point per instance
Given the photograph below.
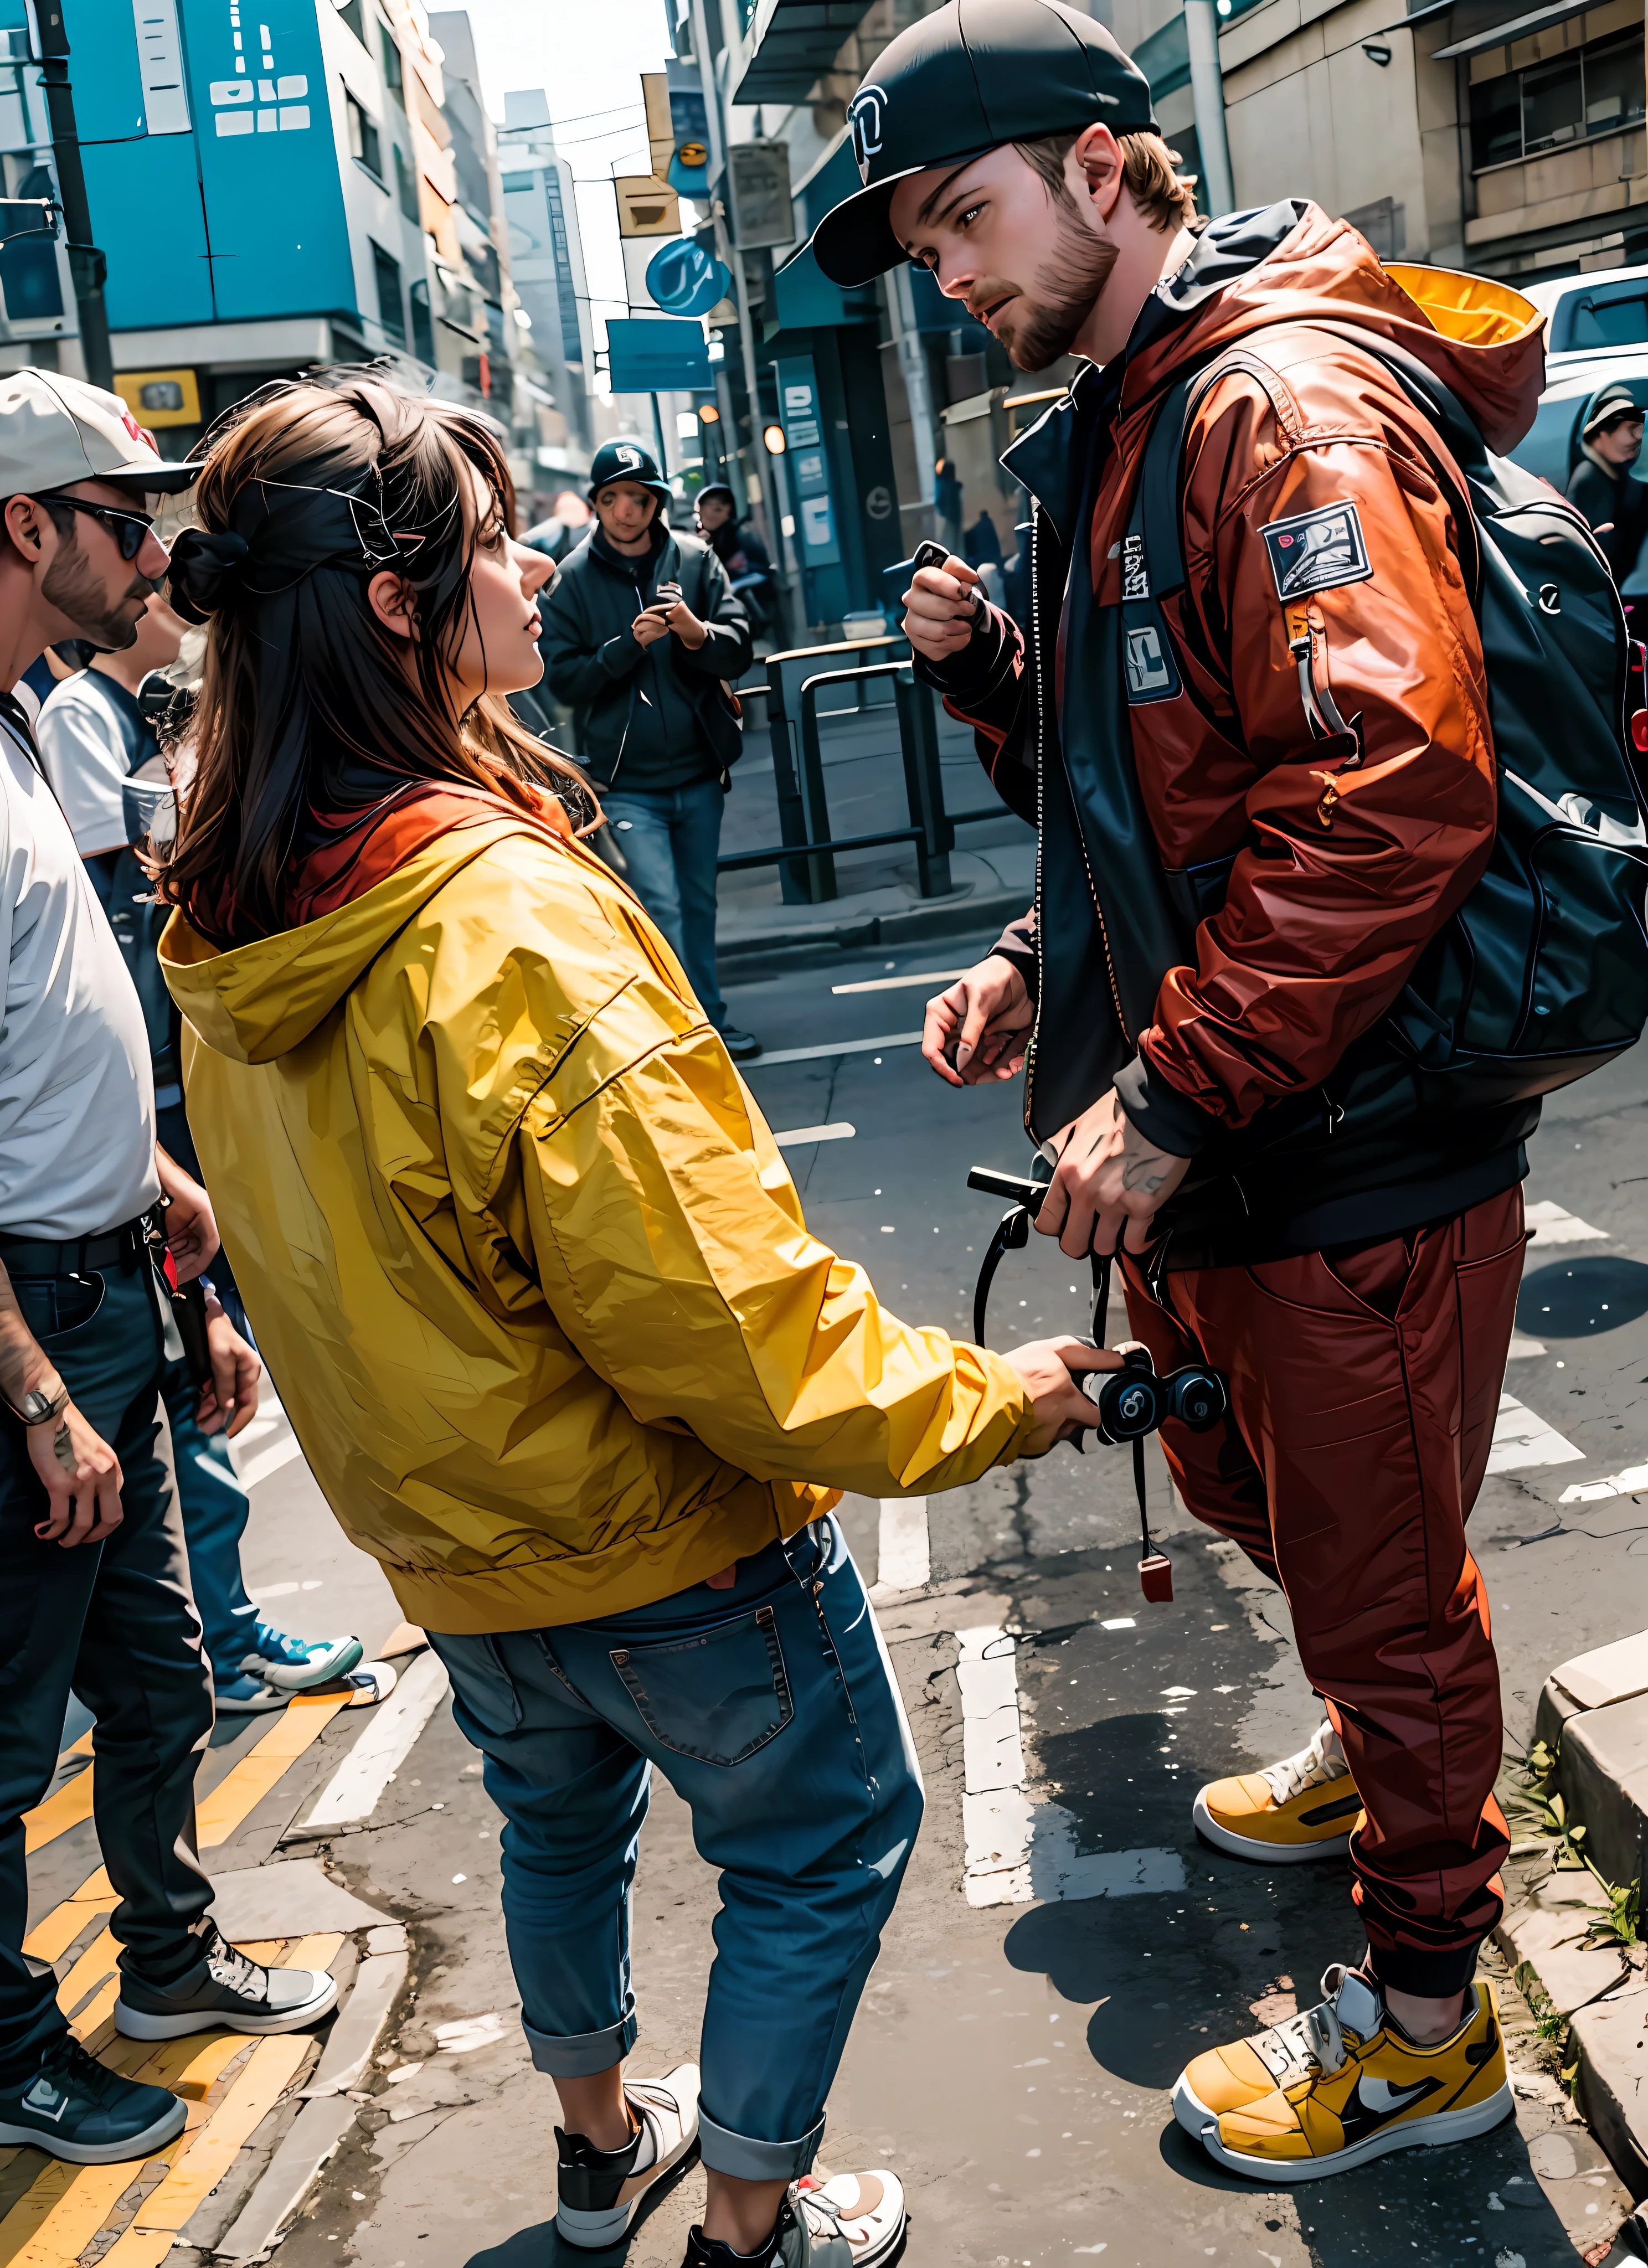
(1443, 2126)
(344, 1656)
(138, 2024)
(100, 2153)
(591, 2232)
(1262, 1854)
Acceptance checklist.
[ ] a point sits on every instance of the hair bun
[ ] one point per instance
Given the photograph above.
(206, 571)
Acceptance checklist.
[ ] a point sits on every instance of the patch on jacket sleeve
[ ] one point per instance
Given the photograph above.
(1317, 550)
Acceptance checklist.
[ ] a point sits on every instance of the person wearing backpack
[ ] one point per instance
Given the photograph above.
(1250, 713)
(644, 638)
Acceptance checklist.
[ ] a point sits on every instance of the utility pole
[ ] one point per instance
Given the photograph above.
(87, 267)
(735, 261)
(912, 365)
(1207, 89)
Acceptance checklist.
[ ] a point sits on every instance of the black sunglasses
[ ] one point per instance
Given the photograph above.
(131, 530)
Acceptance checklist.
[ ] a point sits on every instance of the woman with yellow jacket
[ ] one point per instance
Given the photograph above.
(535, 1286)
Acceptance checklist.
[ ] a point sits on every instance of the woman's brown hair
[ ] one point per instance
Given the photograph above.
(309, 704)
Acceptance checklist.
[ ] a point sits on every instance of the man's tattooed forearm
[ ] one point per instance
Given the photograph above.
(1146, 1173)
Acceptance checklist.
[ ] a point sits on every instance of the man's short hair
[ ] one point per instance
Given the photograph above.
(1149, 173)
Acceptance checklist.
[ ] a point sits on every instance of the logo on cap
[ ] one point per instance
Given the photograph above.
(630, 458)
(866, 118)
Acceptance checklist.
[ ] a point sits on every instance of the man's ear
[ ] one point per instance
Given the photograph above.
(391, 600)
(1097, 158)
(24, 521)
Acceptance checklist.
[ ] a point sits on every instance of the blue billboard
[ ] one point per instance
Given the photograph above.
(209, 161)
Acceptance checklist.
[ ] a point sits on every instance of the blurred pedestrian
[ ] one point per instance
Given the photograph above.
(94, 1585)
(558, 1344)
(741, 552)
(947, 503)
(93, 735)
(643, 635)
(1603, 485)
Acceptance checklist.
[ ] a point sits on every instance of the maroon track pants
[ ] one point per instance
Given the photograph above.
(1363, 1396)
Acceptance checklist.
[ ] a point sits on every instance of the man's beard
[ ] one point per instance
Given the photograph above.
(70, 585)
(1061, 297)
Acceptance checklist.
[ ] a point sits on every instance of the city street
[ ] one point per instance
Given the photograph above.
(1064, 1975)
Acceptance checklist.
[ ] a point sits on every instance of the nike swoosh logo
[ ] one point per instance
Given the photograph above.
(1383, 2100)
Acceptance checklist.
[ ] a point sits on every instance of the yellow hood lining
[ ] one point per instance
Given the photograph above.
(1469, 308)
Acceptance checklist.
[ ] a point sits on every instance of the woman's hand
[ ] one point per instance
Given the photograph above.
(1050, 1369)
(978, 1028)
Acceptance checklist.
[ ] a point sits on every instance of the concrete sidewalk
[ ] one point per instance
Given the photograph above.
(879, 904)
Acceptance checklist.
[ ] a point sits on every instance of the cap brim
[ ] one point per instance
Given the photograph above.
(854, 242)
(157, 477)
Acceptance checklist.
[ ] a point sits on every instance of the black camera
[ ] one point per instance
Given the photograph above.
(1133, 1401)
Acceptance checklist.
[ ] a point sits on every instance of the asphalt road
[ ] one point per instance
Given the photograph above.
(988, 2025)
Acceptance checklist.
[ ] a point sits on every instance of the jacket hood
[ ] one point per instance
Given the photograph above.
(1290, 263)
(258, 1002)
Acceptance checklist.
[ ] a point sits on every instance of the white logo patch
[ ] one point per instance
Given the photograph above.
(1317, 550)
(1381, 2099)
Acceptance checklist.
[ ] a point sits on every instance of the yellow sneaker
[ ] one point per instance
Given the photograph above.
(1349, 2086)
(1306, 1806)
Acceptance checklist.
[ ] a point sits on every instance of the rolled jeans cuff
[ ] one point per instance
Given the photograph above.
(750, 2161)
(581, 2055)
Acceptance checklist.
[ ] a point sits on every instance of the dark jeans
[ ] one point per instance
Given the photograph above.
(671, 842)
(215, 1509)
(772, 1709)
(116, 1622)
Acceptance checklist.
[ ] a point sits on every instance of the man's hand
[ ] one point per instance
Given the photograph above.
(81, 1476)
(941, 607)
(648, 628)
(231, 1399)
(1049, 1369)
(1108, 1184)
(680, 617)
(977, 1029)
(191, 1231)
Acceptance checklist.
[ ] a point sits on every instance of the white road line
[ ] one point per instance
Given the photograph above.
(904, 1549)
(834, 1048)
(896, 983)
(266, 1444)
(1625, 1483)
(1551, 1225)
(839, 1131)
(1017, 1851)
(385, 1742)
(1520, 1347)
(1522, 1438)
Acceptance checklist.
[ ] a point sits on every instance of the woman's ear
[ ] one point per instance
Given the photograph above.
(391, 600)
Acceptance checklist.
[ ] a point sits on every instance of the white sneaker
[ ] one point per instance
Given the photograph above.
(867, 2209)
(598, 2190)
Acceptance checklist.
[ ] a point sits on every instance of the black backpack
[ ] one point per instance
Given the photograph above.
(1541, 974)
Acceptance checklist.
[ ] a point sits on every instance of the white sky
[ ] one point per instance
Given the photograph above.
(588, 57)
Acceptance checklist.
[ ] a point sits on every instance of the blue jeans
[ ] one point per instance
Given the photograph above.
(113, 1620)
(671, 841)
(215, 1509)
(772, 1709)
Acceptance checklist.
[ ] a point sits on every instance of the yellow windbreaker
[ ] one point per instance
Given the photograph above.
(529, 1270)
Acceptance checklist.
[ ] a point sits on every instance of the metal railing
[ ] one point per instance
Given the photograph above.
(804, 823)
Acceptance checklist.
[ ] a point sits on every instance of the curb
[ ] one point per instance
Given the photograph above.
(739, 958)
(1593, 1712)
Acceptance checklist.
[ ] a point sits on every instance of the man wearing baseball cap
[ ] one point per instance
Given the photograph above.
(94, 1592)
(1601, 485)
(643, 639)
(1262, 776)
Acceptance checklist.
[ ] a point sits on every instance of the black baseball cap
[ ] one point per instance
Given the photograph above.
(961, 81)
(625, 460)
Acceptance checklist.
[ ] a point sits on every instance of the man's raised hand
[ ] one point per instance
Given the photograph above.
(941, 607)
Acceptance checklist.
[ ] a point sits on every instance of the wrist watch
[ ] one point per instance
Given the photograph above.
(39, 1408)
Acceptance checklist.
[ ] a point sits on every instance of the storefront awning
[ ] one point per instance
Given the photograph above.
(793, 43)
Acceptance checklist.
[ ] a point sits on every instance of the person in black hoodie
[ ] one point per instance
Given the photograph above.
(642, 637)
(1601, 484)
(740, 551)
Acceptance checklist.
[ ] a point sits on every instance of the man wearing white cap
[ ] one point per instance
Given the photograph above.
(94, 1594)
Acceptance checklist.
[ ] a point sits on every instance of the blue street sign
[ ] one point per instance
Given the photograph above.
(658, 358)
(684, 279)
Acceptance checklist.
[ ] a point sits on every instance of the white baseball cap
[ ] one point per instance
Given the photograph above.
(56, 431)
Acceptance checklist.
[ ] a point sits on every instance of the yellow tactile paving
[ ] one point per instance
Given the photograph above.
(94, 1964)
(52, 2226)
(268, 2071)
(67, 1809)
(139, 2248)
(98, 2011)
(241, 1791)
(64, 1924)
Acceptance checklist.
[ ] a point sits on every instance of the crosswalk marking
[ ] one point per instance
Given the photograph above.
(839, 1131)
(1625, 1483)
(904, 1548)
(1521, 1438)
(1551, 1224)
(833, 1047)
(898, 984)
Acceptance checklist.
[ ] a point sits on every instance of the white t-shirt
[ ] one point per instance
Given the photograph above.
(86, 760)
(77, 1094)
